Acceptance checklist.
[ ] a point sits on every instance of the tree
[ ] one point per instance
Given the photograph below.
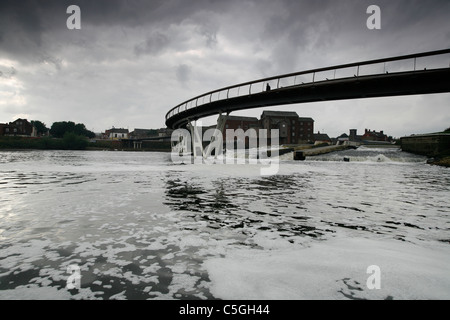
(41, 128)
(58, 129)
(81, 130)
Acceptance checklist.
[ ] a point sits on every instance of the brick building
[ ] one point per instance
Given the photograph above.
(239, 122)
(321, 138)
(20, 127)
(292, 128)
(374, 136)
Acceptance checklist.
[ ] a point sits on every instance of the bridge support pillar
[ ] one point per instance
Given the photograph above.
(196, 136)
(217, 137)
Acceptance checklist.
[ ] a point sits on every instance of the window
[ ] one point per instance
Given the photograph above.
(293, 134)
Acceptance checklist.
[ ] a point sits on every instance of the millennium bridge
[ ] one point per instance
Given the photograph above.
(414, 74)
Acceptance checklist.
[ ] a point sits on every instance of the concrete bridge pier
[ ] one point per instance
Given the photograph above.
(217, 138)
(195, 129)
(196, 138)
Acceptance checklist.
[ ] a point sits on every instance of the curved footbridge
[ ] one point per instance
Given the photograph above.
(420, 73)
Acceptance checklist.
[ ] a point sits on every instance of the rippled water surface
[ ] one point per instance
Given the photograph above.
(140, 227)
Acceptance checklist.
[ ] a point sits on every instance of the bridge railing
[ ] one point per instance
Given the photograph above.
(408, 63)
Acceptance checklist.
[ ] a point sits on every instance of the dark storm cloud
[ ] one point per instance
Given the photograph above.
(19, 28)
(32, 15)
(161, 52)
(25, 24)
(300, 25)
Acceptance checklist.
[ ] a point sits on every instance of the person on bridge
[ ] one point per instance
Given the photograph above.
(267, 87)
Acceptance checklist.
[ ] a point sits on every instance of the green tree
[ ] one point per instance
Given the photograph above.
(81, 130)
(58, 129)
(41, 128)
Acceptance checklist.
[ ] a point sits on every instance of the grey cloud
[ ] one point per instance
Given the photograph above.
(9, 73)
(210, 35)
(183, 73)
(206, 27)
(56, 62)
(25, 25)
(154, 44)
(213, 42)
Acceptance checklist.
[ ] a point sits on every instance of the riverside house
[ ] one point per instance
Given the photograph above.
(19, 128)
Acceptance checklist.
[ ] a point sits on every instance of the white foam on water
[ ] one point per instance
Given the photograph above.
(32, 292)
(333, 269)
(370, 155)
(126, 231)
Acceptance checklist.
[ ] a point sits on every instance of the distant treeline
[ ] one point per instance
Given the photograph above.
(63, 135)
(59, 129)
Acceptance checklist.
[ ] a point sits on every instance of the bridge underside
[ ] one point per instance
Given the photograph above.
(382, 85)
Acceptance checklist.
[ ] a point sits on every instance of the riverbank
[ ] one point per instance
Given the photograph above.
(70, 141)
(75, 142)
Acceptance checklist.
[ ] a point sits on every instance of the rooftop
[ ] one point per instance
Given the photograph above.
(280, 114)
(241, 118)
(114, 130)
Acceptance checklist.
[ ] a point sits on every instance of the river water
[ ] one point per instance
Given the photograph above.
(137, 226)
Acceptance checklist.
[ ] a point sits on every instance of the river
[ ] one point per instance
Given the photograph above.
(134, 225)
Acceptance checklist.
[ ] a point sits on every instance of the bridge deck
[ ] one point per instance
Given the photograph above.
(379, 85)
(394, 76)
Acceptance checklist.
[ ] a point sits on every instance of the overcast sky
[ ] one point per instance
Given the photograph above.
(132, 61)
